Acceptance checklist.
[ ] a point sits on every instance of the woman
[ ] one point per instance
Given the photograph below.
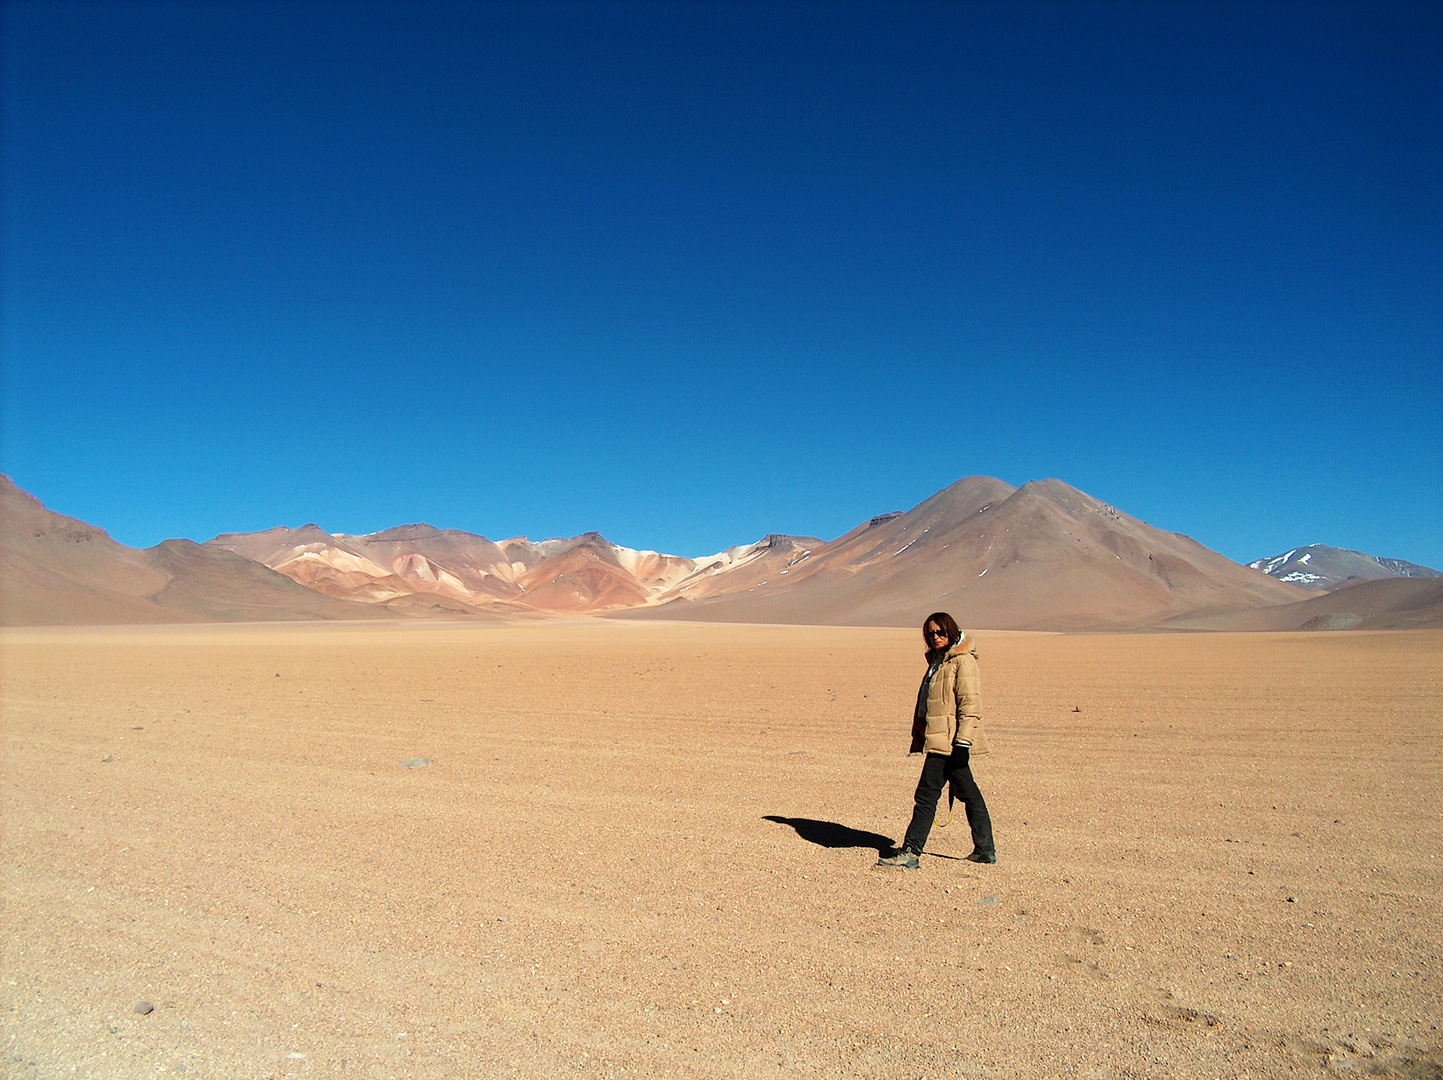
(947, 728)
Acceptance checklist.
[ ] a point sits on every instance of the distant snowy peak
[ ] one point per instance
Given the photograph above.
(1294, 566)
(1318, 566)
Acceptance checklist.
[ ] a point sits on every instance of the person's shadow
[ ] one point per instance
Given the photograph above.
(829, 834)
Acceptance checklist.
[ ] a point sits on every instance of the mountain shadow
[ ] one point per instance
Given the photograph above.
(829, 834)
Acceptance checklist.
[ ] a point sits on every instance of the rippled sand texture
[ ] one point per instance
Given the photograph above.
(647, 850)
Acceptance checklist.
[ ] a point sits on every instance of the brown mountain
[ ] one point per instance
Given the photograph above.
(1043, 556)
(59, 570)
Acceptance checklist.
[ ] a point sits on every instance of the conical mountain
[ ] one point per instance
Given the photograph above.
(1042, 556)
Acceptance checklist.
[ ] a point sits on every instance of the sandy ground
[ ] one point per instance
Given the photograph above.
(648, 850)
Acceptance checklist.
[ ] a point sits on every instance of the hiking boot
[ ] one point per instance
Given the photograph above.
(903, 860)
(982, 856)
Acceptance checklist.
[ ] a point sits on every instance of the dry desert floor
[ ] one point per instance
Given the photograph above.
(647, 850)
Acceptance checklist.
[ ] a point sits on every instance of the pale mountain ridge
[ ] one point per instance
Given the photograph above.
(744, 566)
(579, 573)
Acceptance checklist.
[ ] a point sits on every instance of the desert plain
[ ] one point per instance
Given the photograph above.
(608, 849)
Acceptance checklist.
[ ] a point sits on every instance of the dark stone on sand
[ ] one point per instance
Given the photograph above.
(144, 1008)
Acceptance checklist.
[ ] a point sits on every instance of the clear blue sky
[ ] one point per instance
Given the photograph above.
(689, 273)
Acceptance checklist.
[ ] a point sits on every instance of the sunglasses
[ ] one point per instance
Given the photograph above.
(935, 633)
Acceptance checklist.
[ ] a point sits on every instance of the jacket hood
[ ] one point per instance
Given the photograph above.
(967, 644)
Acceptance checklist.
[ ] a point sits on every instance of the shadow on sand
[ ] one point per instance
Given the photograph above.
(829, 834)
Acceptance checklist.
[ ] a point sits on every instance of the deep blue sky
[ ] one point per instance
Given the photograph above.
(691, 273)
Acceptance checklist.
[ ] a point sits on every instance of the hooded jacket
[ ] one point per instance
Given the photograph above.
(953, 708)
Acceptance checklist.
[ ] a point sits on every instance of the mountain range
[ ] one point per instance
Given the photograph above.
(1042, 556)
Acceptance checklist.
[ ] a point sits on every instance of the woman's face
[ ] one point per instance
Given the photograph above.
(935, 635)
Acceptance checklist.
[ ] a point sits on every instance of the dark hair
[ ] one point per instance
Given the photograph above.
(946, 624)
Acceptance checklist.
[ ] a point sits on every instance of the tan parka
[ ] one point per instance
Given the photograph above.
(954, 704)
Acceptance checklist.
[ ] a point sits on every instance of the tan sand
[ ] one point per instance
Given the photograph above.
(1227, 864)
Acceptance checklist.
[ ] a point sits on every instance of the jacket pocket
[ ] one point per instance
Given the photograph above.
(977, 734)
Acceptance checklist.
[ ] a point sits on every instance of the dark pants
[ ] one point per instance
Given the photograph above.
(938, 770)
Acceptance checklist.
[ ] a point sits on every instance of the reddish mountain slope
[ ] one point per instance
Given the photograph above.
(411, 560)
(414, 567)
(586, 577)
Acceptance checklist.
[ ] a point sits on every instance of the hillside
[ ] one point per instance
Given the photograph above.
(58, 570)
(1394, 603)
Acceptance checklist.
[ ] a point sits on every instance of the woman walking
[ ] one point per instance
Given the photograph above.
(947, 729)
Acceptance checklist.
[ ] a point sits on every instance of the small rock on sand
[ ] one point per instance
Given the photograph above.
(144, 1008)
(415, 763)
